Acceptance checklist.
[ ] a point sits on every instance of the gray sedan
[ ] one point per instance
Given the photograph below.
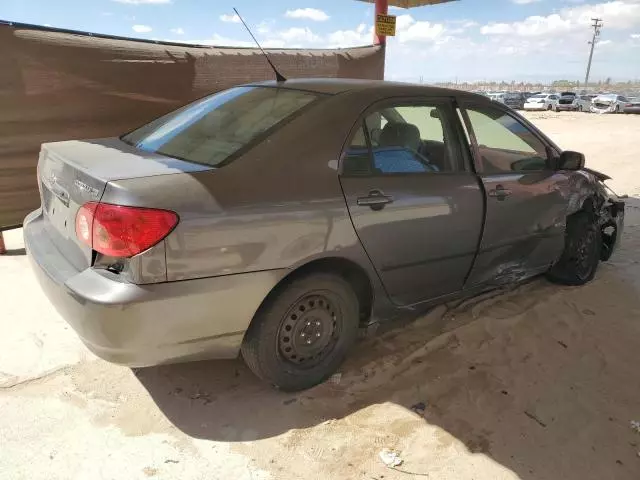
(632, 106)
(277, 220)
(609, 103)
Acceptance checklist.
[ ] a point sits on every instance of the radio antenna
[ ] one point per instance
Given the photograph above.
(279, 76)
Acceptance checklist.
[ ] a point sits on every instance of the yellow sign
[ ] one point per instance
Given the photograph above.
(386, 25)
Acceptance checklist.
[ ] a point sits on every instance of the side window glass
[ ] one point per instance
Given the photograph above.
(505, 144)
(357, 158)
(410, 139)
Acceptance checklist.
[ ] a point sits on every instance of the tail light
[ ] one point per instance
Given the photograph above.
(628, 104)
(120, 231)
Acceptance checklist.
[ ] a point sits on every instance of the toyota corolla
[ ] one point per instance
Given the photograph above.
(278, 220)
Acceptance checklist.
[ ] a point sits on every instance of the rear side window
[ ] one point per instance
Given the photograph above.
(213, 130)
(403, 139)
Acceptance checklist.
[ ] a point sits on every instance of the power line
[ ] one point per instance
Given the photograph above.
(597, 25)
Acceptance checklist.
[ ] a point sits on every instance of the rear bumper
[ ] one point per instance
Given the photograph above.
(632, 109)
(144, 325)
(535, 106)
(569, 107)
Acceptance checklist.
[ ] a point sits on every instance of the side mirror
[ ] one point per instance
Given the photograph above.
(570, 160)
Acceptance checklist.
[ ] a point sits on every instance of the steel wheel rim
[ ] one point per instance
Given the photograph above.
(310, 329)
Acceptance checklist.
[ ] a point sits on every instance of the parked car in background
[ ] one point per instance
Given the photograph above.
(541, 101)
(497, 96)
(566, 102)
(514, 100)
(213, 231)
(609, 103)
(583, 102)
(632, 106)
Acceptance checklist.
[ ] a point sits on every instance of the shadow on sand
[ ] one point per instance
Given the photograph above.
(542, 379)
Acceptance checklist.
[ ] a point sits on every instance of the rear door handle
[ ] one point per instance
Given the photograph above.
(500, 192)
(376, 200)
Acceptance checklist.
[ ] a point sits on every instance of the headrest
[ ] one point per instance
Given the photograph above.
(400, 135)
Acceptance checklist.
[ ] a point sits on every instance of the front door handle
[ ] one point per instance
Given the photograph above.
(500, 192)
(376, 200)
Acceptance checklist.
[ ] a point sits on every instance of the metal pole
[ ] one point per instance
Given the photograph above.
(382, 8)
(597, 25)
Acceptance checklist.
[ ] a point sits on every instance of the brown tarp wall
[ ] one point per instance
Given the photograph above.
(61, 85)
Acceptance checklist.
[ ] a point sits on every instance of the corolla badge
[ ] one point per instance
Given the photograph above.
(83, 187)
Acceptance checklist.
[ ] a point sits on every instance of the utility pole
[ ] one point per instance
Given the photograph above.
(597, 25)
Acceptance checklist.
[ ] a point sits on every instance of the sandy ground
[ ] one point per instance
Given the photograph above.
(540, 382)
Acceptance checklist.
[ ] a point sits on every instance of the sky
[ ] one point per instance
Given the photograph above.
(466, 40)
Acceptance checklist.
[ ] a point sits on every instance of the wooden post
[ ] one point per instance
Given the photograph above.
(3, 249)
(382, 8)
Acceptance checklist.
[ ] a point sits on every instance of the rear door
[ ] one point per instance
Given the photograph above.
(526, 212)
(415, 204)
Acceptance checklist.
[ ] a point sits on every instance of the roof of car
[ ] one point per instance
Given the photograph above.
(340, 85)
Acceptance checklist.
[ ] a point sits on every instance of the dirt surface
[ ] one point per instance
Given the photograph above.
(540, 382)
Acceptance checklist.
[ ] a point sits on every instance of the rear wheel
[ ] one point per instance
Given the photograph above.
(581, 255)
(549, 107)
(301, 335)
(580, 108)
(617, 108)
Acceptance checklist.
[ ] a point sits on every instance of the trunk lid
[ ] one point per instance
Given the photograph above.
(73, 173)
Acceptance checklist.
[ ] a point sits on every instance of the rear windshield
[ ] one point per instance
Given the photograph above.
(539, 96)
(214, 129)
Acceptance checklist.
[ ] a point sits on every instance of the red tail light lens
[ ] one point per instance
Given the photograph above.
(120, 231)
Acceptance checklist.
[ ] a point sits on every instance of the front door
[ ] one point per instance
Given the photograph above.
(413, 200)
(526, 212)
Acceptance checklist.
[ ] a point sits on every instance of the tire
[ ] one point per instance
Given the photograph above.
(549, 107)
(582, 245)
(617, 109)
(580, 108)
(315, 315)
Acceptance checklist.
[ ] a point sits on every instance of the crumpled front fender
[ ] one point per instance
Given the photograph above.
(589, 193)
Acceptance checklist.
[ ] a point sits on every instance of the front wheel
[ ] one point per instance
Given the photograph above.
(582, 245)
(302, 333)
(549, 107)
